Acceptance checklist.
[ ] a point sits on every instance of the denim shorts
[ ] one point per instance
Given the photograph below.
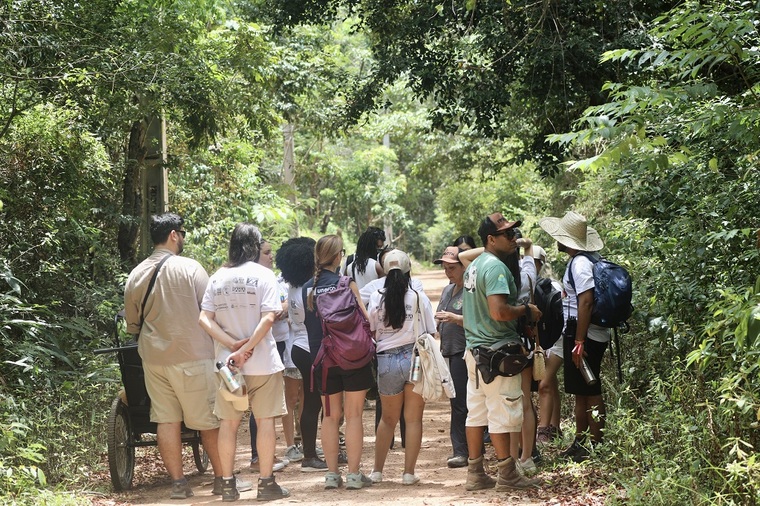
(393, 368)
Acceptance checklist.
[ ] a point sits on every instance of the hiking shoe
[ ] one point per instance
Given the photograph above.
(342, 457)
(241, 485)
(576, 452)
(229, 490)
(320, 452)
(279, 465)
(376, 476)
(477, 479)
(269, 490)
(409, 479)
(313, 465)
(526, 468)
(293, 453)
(355, 481)
(457, 461)
(510, 478)
(181, 489)
(333, 480)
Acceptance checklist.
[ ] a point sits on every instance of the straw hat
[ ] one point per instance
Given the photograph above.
(572, 231)
(238, 398)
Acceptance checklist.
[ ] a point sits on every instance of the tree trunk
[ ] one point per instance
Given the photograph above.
(131, 209)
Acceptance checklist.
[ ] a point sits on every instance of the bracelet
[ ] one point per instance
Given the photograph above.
(578, 347)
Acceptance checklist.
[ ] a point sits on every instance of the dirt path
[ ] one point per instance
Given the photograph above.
(438, 485)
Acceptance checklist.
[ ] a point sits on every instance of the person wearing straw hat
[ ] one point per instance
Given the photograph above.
(587, 341)
(491, 312)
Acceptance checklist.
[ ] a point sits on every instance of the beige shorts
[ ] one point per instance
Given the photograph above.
(497, 405)
(266, 396)
(182, 393)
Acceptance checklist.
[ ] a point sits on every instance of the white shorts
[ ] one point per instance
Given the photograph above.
(557, 349)
(497, 404)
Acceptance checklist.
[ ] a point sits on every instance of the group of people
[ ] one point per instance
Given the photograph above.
(269, 330)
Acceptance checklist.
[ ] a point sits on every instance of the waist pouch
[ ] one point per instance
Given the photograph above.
(500, 360)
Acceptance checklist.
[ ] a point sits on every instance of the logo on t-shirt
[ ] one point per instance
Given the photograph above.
(470, 276)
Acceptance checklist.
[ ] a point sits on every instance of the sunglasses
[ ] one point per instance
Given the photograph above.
(181, 232)
(508, 233)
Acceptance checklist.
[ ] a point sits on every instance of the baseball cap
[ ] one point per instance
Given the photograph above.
(539, 253)
(450, 256)
(396, 259)
(494, 223)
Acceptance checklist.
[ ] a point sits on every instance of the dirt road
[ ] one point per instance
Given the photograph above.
(438, 485)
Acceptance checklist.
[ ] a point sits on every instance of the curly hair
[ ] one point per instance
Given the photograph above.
(366, 248)
(295, 259)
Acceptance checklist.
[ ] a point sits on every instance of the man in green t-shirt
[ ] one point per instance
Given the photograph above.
(490, 316)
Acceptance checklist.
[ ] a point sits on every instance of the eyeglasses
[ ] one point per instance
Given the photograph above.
(181, 232)
(508, 233)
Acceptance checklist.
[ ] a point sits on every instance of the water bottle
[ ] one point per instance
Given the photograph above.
(415, 373)
(587, 373)
(228, 376)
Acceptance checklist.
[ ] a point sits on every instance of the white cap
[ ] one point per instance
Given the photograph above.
(539, 254)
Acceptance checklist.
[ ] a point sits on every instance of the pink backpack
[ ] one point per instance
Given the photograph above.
(347, 339)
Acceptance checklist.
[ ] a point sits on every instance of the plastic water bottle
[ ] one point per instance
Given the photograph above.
(230, 381)
(415, 373)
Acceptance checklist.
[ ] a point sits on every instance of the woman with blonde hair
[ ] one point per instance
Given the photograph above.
(395, 335)
(351, 384)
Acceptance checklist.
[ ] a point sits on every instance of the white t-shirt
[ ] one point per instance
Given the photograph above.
(583, 275)
(297, 315)
(379, 283)
(238, 296)
(361, 279)
(388, 337)
(281, 328)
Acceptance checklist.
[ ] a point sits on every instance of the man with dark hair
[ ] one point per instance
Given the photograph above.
(490, 316)
(177, 355)
(241, 303)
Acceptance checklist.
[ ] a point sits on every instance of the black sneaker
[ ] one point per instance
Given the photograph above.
(269, 490)
(313, 465)
(229, 490)
(457, 461)
(181, 489)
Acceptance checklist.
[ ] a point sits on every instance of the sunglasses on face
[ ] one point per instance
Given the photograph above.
(508, 233)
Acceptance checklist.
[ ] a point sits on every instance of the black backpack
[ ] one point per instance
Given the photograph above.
(549, 300)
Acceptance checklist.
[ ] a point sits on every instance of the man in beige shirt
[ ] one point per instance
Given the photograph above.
(177, 355)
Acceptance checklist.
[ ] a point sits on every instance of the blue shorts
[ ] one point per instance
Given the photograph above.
(393, 367)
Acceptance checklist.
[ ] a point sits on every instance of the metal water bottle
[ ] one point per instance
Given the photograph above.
(587, 373)
(415, 372)
(230, 381)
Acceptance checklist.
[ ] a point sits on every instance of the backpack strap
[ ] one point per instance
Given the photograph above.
(570, 267)
(150, 289)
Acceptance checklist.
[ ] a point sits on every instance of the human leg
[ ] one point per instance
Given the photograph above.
(169, 440)
(330, 429)
(528, 432)
(413, 408)
(292, 391)
(353, 410)
(390, 415)
(312, 404)
(210, 440)
(227, 437)
(548, 393)
(253, 430)
(458, 371)
(265, 445)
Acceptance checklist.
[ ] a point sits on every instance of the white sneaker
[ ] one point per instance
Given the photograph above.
(409, 479)
(293, 453)
(376, 476)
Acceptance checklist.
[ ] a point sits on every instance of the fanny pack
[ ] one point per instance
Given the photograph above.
(505, 358)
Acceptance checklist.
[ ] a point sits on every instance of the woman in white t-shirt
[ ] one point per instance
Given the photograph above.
(363, 268)
(392, 311)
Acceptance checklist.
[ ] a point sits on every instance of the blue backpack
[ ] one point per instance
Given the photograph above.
(613, 291)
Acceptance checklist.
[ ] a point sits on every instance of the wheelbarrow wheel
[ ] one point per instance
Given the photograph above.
(121, 451)
(200, 455)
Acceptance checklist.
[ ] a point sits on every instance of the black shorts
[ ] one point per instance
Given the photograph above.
(341, 380)
(574, 382)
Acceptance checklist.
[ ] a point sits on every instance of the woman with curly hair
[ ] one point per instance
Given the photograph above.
(364, 266)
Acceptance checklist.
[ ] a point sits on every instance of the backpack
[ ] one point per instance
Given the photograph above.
(347, 339)
(613, 291)
(549, 301)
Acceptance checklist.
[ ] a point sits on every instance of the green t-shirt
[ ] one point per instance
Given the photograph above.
(487, 275)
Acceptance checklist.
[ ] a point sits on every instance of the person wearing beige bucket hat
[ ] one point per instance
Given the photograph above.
(582, 341)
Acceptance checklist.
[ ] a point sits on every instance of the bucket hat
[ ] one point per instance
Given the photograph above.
(572, 231)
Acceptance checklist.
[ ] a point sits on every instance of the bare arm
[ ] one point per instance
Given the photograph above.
(585, 306)
(265, 324)
(355, 289)
(500, 310)
(466, 257)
